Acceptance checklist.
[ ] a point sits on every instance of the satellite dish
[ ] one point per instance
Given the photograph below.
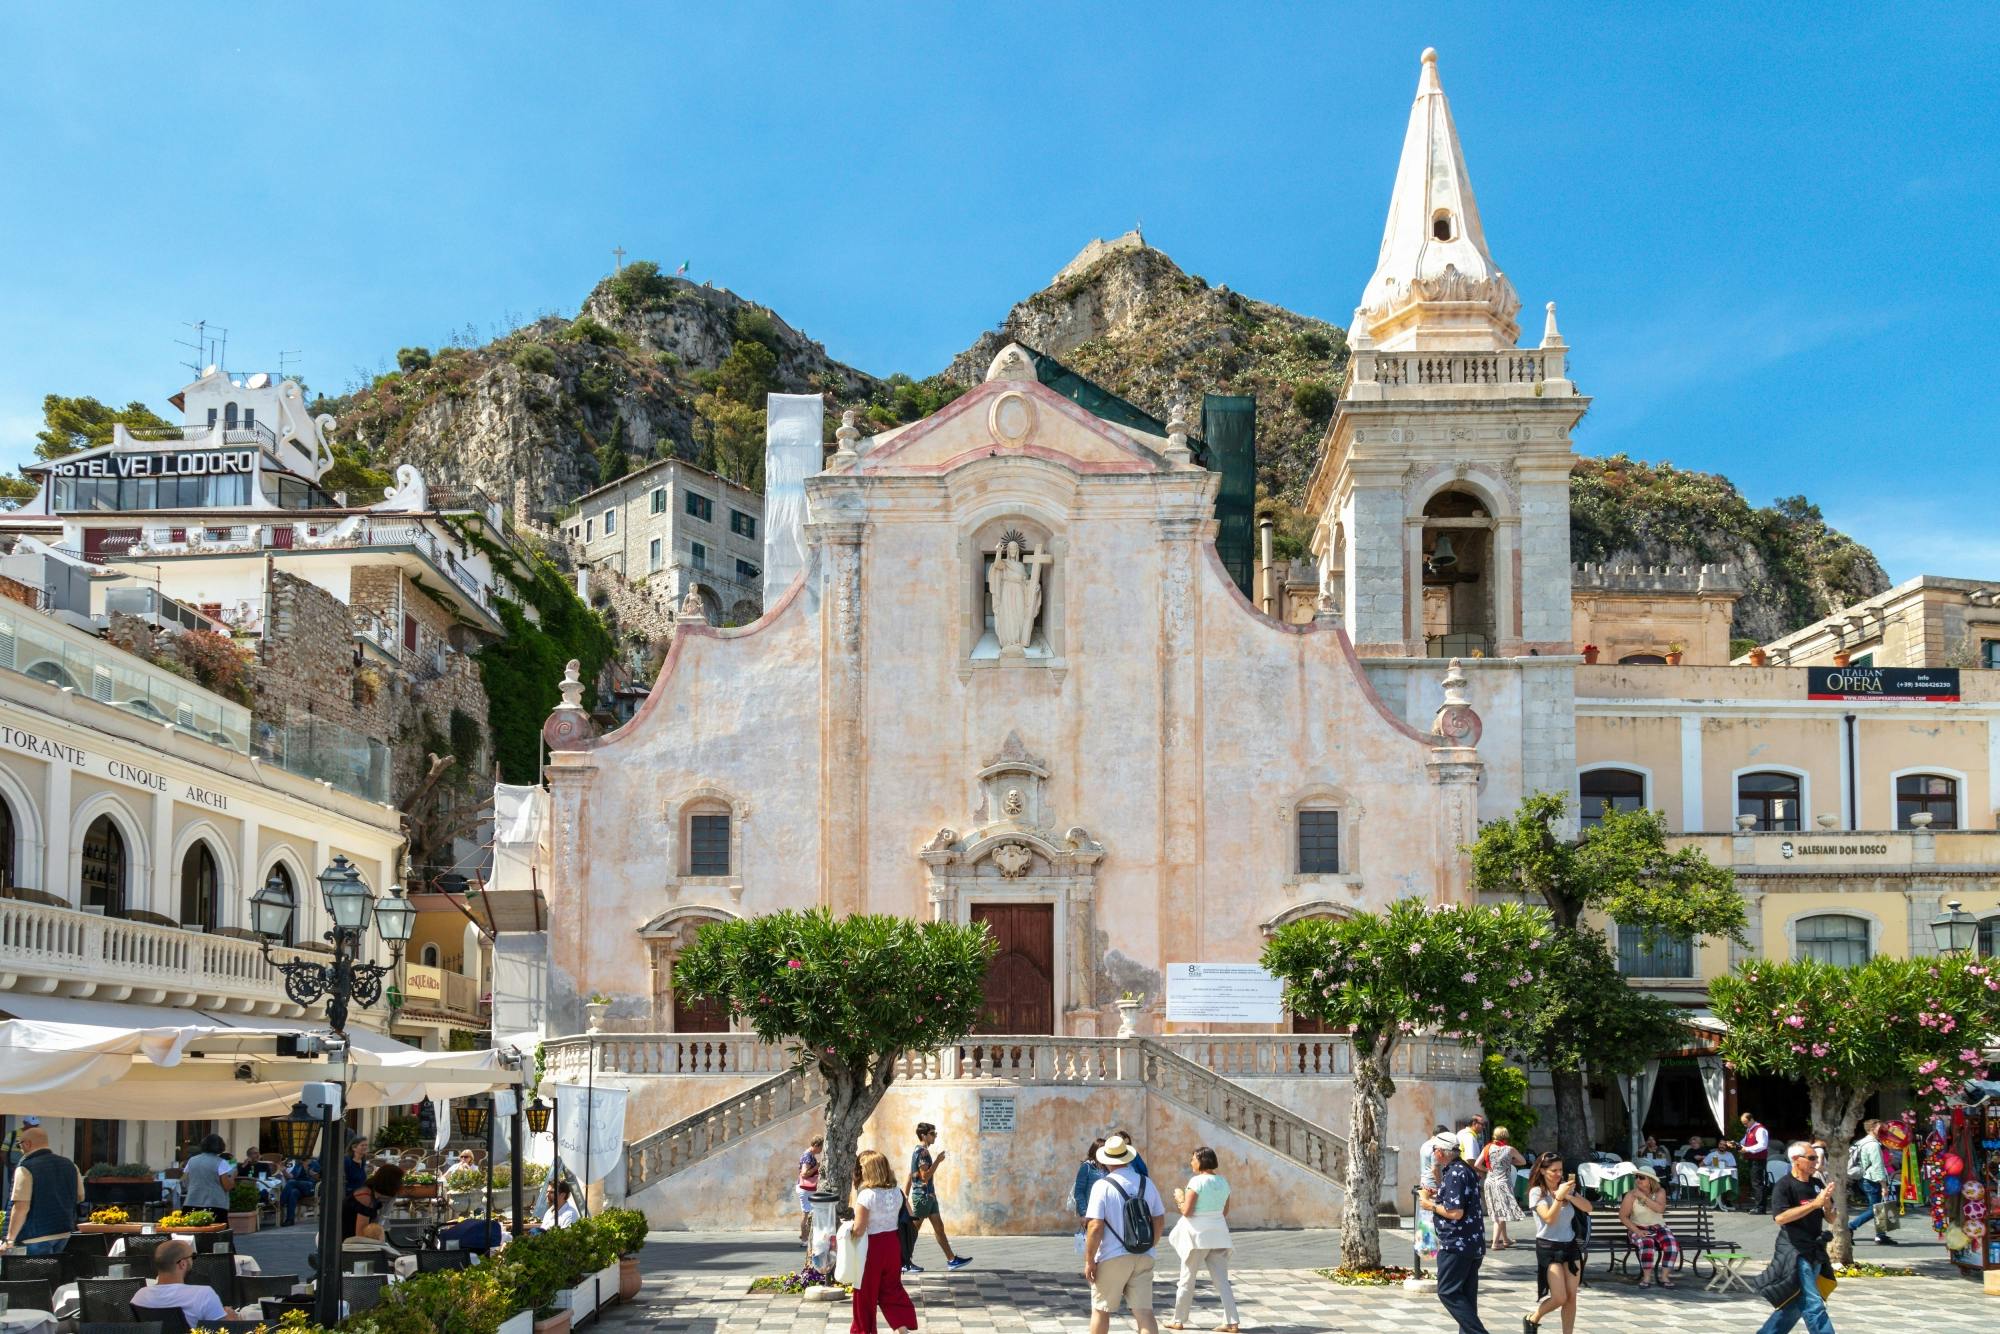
(258, 381)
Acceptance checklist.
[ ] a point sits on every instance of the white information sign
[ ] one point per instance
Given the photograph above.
(996, 1114)
(1223, 993)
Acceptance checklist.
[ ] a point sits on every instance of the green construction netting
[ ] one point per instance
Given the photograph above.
(1229, 425)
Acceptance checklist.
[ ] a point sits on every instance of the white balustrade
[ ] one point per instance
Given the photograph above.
(84, 953)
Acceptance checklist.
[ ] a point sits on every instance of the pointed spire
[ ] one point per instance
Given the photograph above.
(1435, 283)
(1552, 336)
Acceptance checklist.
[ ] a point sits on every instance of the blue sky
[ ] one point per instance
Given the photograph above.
(1766, 232)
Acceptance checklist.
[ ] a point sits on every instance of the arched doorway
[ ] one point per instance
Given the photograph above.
(281, 876)
(201, 887)
(1021, 979)
(667, 936)
(1459, 610)
(104, 868)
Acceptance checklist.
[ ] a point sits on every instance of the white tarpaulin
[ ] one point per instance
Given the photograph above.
(211, 1070)
(794, 426)
(518, 812)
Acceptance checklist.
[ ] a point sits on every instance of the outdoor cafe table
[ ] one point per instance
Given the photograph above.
(27, 1320)
(1610, 1181)
(1712, 1182)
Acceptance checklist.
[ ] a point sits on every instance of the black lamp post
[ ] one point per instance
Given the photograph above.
(349, 905)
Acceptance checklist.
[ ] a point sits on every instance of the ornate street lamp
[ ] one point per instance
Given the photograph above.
(1957, 931)
(349, 905)
(298, 1131)
(538, 1115)
(469, 1117)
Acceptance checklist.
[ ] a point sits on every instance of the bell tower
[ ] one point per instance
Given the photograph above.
(1443, 491)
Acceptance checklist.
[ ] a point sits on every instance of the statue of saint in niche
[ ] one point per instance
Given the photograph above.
(1014, 585)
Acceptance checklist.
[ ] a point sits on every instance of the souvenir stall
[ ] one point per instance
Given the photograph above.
(1962, 1171)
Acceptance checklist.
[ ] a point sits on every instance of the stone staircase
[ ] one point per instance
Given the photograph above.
(1197, 1075)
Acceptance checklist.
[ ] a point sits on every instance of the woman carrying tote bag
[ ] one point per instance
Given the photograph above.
(879, 1285)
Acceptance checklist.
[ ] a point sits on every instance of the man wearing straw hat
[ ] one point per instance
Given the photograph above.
(1117, 1249)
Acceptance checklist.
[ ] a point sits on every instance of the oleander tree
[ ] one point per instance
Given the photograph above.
(1443, 968)
(852, 994)
(1850, 1033)
(1583, 1014)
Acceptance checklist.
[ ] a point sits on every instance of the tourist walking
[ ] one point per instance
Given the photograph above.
(1123, 1223)
(1801, 1204)
(1756, 1160)
(206, 1179)
(1644, 1214)
(47, 1186)
(1500, 1160)
(1868, 1163)
(1201, 1238)
(1472, 1140)
(807, 1184)
(877, 1205)
(1459, 1220)
(1555, 1202)
(924, 1164)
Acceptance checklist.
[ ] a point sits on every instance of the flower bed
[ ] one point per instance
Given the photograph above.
(1386, 1276)
(796, 1282)
(1862, 1269)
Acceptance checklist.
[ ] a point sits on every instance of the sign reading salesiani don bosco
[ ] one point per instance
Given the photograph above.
(1935, 684)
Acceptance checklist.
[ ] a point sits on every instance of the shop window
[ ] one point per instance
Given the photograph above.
(1931, 794)
(708, 840)
(1834, 938)
(1620, 789)
(6, 844)
(283, 877)
(201, 887)
(1665, 955)
(1319, 842)
(96, 1142)
(103, 869)
(1772, 798)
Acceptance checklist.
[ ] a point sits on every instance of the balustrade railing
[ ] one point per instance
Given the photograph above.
(67, 944)
(689, 1140)
(1398, 369)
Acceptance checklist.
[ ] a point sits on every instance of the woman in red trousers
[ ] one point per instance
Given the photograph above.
(876, 1205)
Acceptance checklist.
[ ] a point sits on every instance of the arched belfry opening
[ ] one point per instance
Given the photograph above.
(1460, 605)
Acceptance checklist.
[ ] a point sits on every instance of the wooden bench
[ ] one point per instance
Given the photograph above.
(1693, 1226)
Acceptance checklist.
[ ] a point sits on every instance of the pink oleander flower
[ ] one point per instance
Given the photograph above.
(1416, 947)
(1796, 1021)
(1927, 1067)
(1799, 1047)
(1819, 1049)
(1468, 977)
(793, 963)
(1535, 944)
(1486, 1005)
(1968, 1055)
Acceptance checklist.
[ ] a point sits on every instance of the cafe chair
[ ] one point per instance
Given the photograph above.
(107, 1299)
(29, 1294)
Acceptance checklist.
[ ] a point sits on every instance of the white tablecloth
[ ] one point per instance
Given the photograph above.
(1592, 1176)
(27, 1320)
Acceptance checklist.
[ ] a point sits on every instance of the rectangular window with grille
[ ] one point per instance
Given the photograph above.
(1319, 842)
(1989, 653)
(700, 507)
(708, 845)
(659, 500)
(743, 525)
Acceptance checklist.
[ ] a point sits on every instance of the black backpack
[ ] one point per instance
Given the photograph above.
(1137, 1235)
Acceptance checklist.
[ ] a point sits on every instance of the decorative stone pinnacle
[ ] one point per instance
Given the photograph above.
(572, 685)
(1551, 336)
(847, 435)
(1457, 724)
(1454, 683)
(568, 724)
(1177, 441)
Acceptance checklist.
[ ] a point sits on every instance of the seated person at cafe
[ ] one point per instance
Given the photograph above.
(358, 1211)
(562, 1209)
(1691, 1151)
(1720, 1156)
(196, 1303)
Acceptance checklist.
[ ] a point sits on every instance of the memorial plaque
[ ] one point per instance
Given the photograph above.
(996, 1114)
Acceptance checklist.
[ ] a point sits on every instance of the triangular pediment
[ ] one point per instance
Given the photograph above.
(1013, 414)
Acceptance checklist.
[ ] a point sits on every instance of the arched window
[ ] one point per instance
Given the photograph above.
(53, 674)
(6, 845)
(1772, 798)
(103, 869)
(228, 416)
(1834, 938)
(1620, 789)
(1441, 225)
(706, 838)
(1931, 794)
(201, 887)
(430, 956)
(1459, 610)
(283, 876)
(1642, 660)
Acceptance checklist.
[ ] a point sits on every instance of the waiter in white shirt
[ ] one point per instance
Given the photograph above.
(1756, 1152)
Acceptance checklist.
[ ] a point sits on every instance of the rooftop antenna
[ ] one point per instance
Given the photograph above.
(209, 345)
(287, 363)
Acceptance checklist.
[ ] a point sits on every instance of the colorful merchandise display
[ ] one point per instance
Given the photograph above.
(1962, 1169)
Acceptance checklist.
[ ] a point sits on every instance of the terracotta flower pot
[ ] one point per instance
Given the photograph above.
(1673, 660)
(1758, 657)
(244, 1222)
(555, 1324)
(1590, 656)
(629, 1281)
(1842, 658)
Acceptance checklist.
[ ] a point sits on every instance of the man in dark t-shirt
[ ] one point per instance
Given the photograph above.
(1801, 1203)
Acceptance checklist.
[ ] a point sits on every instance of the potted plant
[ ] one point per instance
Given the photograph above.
(1590, 654)
(120, 1183)
(1674, 652)
(244, 1201)
(597, 1007)
(1758, 657)
(420, 1185)
(1841, 657)
(1128, 1013)
(628, 1233)
(464, 1183)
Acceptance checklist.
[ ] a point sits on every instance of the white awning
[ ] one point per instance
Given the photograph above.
(140, 1069)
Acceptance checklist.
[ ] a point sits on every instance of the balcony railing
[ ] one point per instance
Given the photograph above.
(44, 650)
(83, 954)
(313, 747)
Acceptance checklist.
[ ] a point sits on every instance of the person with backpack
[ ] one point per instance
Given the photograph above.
(1123, 1224)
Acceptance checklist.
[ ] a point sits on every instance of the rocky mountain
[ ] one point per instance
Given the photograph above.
(654, 365)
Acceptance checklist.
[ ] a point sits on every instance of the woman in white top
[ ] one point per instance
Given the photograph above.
(1497, 1186)
(1202, 1238)
(1644, 1214)
(876, 1205)
(1555, 1202)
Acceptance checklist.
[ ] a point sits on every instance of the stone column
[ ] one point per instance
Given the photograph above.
(56, 835)
(1544, 553)
(843, 733)
(1181, 794)
(1376, 564)
(1455, 770)
(571, 772)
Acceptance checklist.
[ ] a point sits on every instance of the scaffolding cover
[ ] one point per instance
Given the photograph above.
(795, 424)
(1229, 425)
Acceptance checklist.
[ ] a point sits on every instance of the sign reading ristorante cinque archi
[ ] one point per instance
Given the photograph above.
(1909, 683)
(187, 463)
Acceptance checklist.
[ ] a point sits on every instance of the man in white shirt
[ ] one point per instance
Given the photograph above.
(562, 1209)
(1118, 1271)
(196, 1302)
(1756, 1153)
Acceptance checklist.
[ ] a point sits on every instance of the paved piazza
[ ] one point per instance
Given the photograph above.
(1027, 1285)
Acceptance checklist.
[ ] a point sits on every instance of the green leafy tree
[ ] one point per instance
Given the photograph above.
(1384, 976)
(854, 994)
(1848, 1034)
(352, 471)
(412, 359)
(17, 488)
(638, 284)
(72, 424)
(612, 460)
(747, 374)
(1582, 1011)
(1313, 400)
(1503, 1096)
(729, 439)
